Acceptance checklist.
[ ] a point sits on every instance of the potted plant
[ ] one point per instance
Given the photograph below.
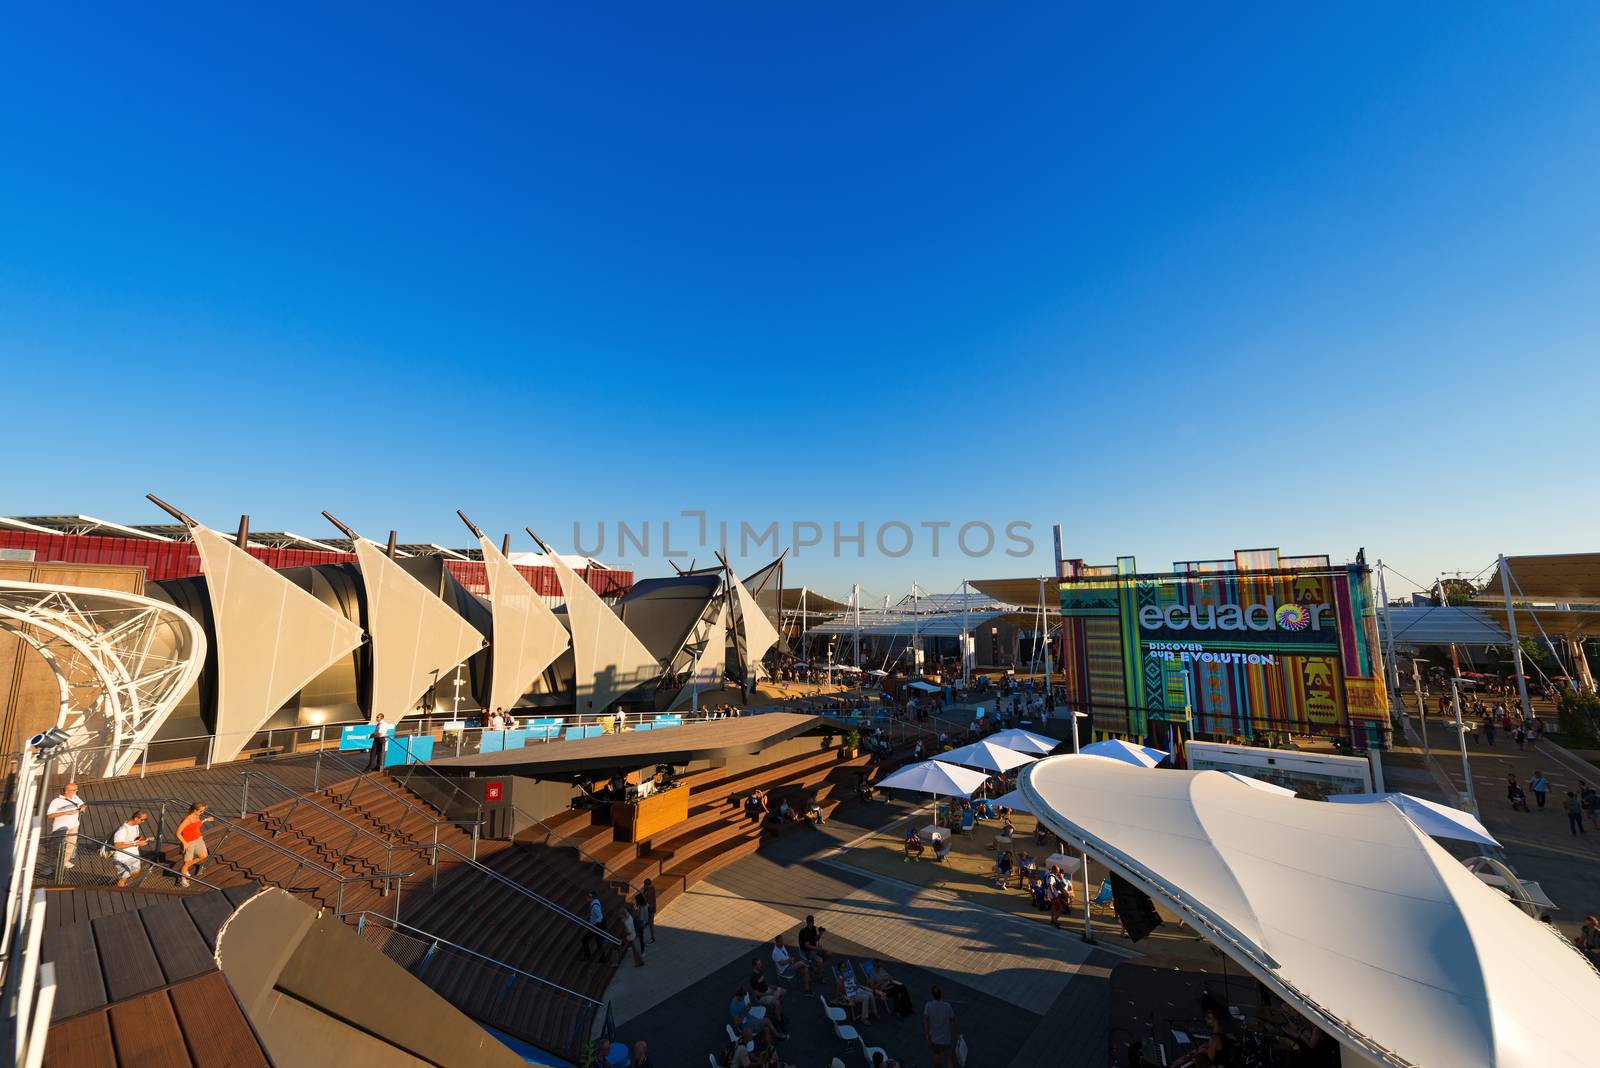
(852, 744)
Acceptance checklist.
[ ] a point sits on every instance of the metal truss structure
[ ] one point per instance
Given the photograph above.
(122, 661)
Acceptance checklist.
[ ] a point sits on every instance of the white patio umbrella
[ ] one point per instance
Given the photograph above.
(936, 778)
(1260, 784)
(1127, 752)
(1024, 741)
(987, 755)
(1432, 818)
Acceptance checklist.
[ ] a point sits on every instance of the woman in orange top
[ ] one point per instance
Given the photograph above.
(194, 843)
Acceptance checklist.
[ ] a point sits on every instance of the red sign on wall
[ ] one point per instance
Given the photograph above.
(492, 791)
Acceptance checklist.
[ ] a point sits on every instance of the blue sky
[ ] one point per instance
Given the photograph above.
(1185, 279)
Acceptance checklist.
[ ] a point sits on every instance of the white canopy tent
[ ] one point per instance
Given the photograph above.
(1350, 913)
(1024, 741)
(1117, 749)
(1438, 821)
(923, 687)
(987, 755)
(936, 778)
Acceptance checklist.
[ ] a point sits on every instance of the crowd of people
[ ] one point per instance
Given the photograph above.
(862, 991)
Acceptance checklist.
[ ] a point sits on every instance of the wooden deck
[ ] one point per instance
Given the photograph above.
(137, 982)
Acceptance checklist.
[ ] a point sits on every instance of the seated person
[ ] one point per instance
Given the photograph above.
(858, 998)
(863, 788)
(984, 809)
(1002, 869)
(1004, 837)
(1025, 868)
(739, 1016)
(1041, 894)
(763, 993)
(814, 811)
(913, 845)
(789, 966)
(941, 847)
(1040, 834)
(1215, 1052)
(785, 812)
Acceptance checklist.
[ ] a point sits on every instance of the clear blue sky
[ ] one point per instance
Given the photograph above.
(1186, 279)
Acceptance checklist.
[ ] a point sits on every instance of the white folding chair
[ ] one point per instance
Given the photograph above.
(867, 1052)
(844, 1032)
(834, 1015)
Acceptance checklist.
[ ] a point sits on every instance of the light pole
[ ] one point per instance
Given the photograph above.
(1461, 737)
(694, 649)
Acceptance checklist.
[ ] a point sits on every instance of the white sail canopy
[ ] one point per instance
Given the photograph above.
(609, 658)
(1351, 913)
(415, 636)
(527, 635)
(272, 638)
(756, 630)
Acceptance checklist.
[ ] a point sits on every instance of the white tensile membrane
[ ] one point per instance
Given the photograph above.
(415, 636)
(1351, 913)
(527, 635)
(272, 638)
(756, 629)
(610, 660)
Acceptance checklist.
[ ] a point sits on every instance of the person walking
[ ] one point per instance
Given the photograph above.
(630, 935)
(648, 913)
(1540, 787)
(940, 1030)
(190, 834)
(1574, 814)
(63, 814)
(380, 743)
(126, 843)
(597, 922)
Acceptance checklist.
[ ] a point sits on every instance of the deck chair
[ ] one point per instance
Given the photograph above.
(867, 1052)
(1103, 898)
(967, 821)
(835, 1016)
(844, 1032)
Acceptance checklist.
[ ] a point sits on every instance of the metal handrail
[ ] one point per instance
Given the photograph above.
(524, 891)
(301, 861)
(361, 922)
(434, 821)
(144, 861)
(411, 766)
(305, 799)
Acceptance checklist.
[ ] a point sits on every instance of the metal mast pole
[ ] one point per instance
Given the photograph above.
(1461, 738)
(1388, 629)
(1422, 706)
(1516, 644)
(855, 601)
(966, 672)
(1045, 620)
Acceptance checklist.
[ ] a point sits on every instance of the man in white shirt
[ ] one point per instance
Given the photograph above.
(63, 815)
(126, 844)
(380, 743)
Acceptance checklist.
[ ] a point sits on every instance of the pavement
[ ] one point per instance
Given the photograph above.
(1538, 844)
(1023, 993)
